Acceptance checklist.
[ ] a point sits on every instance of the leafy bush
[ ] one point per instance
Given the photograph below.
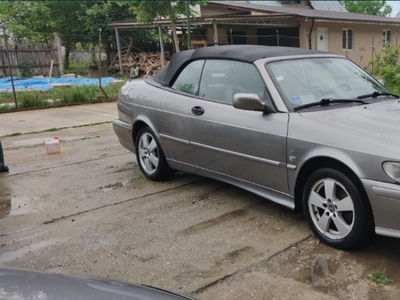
(26, 69)
(31, 99)
(385, 65)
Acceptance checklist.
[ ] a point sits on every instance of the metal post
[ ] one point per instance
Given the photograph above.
(230, 31)
(161, 46)
(119, 50)
(277, 37)
(189, 38)
(100, 57)
(9, 65)
(316, 41)
(101, 88)
(215, 33)
(372, 53)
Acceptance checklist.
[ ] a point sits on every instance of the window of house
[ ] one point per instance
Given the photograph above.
(386, 36)
(189, 79)
(347, 41)
(222, 79)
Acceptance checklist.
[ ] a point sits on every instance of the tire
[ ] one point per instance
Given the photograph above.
(337, 209)
(150, 156)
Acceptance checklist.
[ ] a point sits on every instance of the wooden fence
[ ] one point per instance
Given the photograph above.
(38, 57)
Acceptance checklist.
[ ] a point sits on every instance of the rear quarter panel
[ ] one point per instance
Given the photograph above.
(164, 111)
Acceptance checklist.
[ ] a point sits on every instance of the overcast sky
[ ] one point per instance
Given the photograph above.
(396, 7)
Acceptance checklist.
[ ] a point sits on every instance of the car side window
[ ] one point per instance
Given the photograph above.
(189, 79)
(222, 79)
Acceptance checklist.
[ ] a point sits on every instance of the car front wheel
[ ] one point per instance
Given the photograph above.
(336, 209)
(150, 156)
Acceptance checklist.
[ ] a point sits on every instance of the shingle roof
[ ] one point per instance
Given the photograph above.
(309, 13)
(327, 5)
(318, 5)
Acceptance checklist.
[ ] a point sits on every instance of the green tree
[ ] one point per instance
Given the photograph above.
(68, 25)
(27, 21)
(149, 11)
(377, 7)
(97, 15)
(74, 21)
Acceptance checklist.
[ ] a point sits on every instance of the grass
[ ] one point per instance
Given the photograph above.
(64, 96)
(79, 67)
(380, 277)
(86, 67)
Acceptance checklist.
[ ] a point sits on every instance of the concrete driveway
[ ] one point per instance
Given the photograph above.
(89, 211)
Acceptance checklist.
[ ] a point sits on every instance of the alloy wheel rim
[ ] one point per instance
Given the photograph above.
(148, 153)
(331, 209)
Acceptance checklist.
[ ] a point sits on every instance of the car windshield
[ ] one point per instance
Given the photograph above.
(306, 81)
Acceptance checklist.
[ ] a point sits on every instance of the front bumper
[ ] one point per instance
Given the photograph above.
(123, 132)
(385, 202)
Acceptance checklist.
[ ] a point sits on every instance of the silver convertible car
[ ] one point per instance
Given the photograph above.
(306, 129)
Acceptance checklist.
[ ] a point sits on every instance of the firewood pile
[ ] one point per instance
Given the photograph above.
(147, 64)
(143, 64)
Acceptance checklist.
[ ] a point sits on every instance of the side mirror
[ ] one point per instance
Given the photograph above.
(247, 101)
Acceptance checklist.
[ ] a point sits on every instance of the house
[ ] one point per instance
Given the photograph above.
(317, 25)
(320, 25)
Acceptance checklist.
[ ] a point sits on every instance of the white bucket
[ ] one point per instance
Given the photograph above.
(53, 145)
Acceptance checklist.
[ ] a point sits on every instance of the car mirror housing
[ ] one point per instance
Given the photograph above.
(248, 101)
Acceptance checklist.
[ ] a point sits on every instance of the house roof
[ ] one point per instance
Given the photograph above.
(318, 5)
(308, 13)
(327, 5)
(267, 12)
(244, 53)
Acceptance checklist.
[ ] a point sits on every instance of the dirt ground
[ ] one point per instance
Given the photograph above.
(89, 211)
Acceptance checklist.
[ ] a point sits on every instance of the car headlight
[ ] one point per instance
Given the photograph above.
(392, 169)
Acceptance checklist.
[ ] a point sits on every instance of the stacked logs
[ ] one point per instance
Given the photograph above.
(145, 64)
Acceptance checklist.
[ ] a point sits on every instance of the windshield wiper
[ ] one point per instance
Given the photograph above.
(328, 101)
(376, 94)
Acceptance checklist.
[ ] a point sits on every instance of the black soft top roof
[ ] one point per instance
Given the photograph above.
(245, 53)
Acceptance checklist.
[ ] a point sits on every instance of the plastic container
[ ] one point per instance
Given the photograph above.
(53, 145)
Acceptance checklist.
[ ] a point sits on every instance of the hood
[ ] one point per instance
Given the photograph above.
(374, 127)
(18, 284)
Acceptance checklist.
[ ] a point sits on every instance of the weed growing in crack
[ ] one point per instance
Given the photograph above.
(380, 277)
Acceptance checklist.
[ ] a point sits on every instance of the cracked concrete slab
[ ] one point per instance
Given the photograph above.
(89, 211)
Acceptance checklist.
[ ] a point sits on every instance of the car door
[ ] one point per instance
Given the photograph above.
(171, 118)
(245, 145)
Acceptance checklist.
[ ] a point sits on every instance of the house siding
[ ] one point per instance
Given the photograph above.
(367, 39)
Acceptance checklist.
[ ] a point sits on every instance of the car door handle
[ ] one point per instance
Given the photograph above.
(198, 110)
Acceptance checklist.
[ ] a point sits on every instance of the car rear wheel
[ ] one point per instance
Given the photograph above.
(150, 156)
(336, 209)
